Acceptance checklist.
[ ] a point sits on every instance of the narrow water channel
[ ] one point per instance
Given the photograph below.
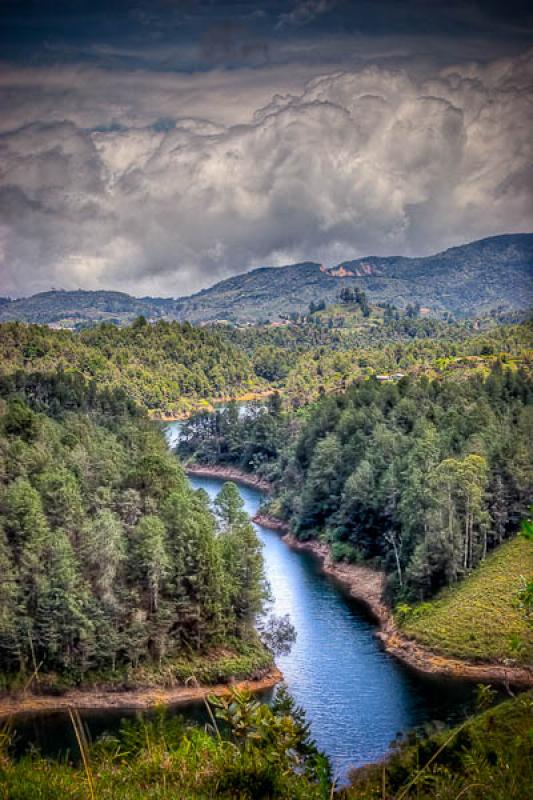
(356, 697)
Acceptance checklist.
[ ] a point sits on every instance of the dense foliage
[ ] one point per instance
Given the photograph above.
(166, 366)
(422, 477)
(108, 558)
(170, 368)
(328, 350)
(251, 751)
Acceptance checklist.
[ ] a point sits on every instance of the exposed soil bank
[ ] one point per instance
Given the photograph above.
(228, 474)
(367, 587)
(272, 523)
(29, 703)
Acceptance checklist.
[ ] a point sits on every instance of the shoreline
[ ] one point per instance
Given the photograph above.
(366, 586)
(229, 474)
(210, 406)
(136, 699)
(363, 584)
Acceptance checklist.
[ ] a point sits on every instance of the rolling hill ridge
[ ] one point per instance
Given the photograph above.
(469, 280)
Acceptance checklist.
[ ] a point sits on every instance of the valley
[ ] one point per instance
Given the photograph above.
(386, 445)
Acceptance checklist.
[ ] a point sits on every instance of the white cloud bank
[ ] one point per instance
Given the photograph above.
(365, 161)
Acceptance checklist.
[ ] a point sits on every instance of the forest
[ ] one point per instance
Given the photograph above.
(172, 369)
(401, 442)
(165, 367)
(420, 477)
(109, 560)
(305, 360)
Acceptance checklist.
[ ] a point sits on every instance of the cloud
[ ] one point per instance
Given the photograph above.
(95, 193)
(306, 11)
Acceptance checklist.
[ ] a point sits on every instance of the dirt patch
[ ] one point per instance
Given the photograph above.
(272, 523)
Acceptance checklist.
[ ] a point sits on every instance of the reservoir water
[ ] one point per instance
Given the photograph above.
(356, 697)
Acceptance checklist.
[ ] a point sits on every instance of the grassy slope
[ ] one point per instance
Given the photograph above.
(481, 617)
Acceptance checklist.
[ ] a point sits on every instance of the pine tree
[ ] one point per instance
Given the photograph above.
(148, 560)
(243, 561)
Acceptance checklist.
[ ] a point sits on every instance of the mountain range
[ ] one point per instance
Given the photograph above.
(494, 274)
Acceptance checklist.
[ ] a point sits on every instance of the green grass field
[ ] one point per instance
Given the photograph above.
(481, 618)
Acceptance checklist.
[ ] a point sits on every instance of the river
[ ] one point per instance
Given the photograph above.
(356, 697)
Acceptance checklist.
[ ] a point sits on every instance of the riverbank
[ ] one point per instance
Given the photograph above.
(209, 407)
(367, 587)
(228, 474)
(185, 678)
(136, 699)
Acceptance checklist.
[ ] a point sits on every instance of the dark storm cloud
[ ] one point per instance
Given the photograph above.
(230, 42)
(177, 33)
(174, 143)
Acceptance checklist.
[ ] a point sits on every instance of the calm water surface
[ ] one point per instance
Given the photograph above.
(357, 698)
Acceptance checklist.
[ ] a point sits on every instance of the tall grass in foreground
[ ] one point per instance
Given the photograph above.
(487, 757)
(253, 752)
(84, 748)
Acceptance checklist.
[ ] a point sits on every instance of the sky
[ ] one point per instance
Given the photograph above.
(158, 147)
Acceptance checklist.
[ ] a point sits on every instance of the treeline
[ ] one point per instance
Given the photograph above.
(305, 360)
(166, 367)
(173, 368)
(108, 559)
(420, 477)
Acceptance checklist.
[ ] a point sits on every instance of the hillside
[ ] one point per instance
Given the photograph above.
(476, 278)
(80, 306)
(473, 279)
(481, 617)
(165, 367)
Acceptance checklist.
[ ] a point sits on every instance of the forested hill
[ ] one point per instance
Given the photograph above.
(495, 273)
(166, 367)
(109, 561)
(421, 478)
(81, 307)
(483, 276)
